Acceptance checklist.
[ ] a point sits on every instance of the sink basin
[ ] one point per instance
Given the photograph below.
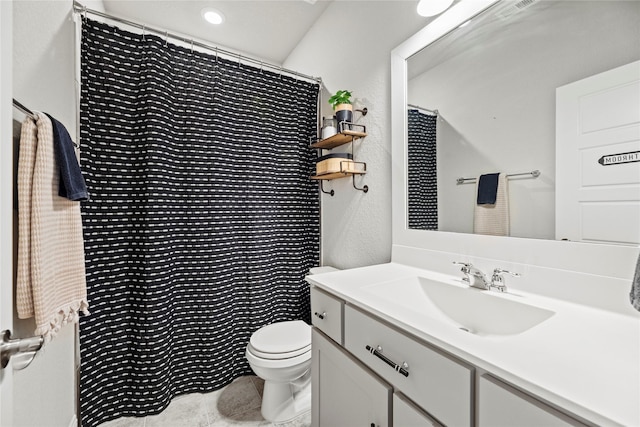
(472, 310)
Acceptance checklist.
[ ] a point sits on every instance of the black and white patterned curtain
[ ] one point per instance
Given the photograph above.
(422, 172)
(202, 221)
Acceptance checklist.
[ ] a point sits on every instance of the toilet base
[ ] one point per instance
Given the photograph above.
(284, 401)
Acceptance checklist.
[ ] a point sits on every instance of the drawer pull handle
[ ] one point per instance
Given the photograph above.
(321, 315)
(402, 369)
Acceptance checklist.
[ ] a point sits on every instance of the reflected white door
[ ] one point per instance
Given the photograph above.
(598, 158)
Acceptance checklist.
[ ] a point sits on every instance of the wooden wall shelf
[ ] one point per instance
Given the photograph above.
(349, 132)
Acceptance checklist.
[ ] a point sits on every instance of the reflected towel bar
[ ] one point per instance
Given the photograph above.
(24, 109)
(534, 174)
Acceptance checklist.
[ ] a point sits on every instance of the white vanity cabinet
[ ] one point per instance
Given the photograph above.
(353, 387)
(499, 404)
(367, 372)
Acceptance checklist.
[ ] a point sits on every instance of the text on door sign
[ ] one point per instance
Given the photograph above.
(616, 159)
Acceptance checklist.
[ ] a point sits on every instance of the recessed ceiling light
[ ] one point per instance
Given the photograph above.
(433, 7)
(212, 16)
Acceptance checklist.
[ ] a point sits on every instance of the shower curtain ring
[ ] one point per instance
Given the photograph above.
(191, 45)
(144, 27)
(239, 60)
(166, 38)
(84, 13)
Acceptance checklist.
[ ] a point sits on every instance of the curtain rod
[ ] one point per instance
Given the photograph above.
(24, 109)
(436, 112)
(83, 10)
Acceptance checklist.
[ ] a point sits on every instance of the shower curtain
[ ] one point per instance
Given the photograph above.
(422, 171)
(202, 220)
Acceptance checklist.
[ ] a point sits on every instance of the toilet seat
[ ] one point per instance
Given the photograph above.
(282, 340)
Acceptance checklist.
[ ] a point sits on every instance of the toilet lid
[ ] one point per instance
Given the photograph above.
(282, 338)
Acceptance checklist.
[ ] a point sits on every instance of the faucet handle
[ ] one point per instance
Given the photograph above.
(497, 281)
(498, 271)
(466, 266)
(466, 270)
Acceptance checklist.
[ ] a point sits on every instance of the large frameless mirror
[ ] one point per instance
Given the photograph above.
(484, 99)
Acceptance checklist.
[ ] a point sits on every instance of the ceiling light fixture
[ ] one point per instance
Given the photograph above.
(212, 16)
(433, 7)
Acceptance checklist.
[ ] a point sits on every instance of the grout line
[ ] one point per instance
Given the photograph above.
(204, 407)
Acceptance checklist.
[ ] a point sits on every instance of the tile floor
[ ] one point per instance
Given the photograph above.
(238, 404)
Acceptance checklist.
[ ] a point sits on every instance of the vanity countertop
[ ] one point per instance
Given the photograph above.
(583, 359)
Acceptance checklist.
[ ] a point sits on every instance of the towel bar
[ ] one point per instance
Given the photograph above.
(534, 174)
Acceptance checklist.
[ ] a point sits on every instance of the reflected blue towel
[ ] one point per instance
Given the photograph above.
(634, 296)
(72, 185)
(488, 189)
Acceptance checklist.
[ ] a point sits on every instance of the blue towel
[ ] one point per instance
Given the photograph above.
(487, 189)
(72, 185)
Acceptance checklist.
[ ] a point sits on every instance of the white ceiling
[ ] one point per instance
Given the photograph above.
(263, 29)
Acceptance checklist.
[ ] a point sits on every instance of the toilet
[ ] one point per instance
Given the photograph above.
(280, 354)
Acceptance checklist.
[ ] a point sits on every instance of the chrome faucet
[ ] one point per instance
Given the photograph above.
(475, 277)
(497, 281)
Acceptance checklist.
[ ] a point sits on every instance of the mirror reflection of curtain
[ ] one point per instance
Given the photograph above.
(422, 171)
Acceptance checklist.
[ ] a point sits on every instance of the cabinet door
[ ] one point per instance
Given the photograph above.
(503, 405)
(406, 414)
(345, 393)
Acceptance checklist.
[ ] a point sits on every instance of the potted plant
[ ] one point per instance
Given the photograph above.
(341, 103)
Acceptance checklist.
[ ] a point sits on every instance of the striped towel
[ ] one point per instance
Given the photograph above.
(51, 283)
(493, 219)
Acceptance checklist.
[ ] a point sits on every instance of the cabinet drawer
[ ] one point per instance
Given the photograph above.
(326, 314)
(434, 381)
(503, 405)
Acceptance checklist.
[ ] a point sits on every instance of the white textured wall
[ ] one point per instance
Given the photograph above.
(349, 47)
(43, 57)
